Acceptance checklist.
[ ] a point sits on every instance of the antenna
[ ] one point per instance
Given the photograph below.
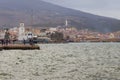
(31, 22)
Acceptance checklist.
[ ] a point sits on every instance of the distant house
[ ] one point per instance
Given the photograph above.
(2, 36)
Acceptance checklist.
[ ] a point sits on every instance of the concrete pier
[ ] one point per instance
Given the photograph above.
(19, 47)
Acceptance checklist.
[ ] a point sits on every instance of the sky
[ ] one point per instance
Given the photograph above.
(108, 8)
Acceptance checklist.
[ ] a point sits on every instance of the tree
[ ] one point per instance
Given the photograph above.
(57, 37)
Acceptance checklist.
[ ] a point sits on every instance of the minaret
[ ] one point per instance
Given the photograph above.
(66, 23)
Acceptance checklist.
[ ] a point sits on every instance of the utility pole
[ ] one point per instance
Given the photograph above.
(32, 20)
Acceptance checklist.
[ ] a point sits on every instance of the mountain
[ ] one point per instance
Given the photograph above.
(44, 14)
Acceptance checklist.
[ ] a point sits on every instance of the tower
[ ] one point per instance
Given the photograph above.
(21, 29)
(66, 23)
(21, 34)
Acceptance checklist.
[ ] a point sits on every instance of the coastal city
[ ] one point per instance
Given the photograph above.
(57, 34)
(59, 39)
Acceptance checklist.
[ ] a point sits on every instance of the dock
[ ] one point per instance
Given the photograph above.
(19, 47)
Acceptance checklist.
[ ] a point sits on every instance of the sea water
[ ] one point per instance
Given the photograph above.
(70, 61)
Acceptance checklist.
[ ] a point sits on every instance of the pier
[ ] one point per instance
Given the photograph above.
(19, 47)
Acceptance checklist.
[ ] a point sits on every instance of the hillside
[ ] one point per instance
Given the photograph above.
(43, 14)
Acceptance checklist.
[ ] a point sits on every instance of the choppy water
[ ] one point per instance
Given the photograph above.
(74, 61)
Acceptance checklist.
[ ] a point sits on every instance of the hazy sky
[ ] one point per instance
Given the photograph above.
(109, 8)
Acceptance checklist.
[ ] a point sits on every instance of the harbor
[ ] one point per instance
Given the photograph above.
(61, 34)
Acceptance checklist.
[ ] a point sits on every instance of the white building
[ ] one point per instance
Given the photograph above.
(111, 35)
(52, 30)
(2, 35)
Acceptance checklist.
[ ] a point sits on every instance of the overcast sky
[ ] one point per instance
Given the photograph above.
(109, 8)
